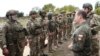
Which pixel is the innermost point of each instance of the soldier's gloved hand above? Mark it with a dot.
(5, 51)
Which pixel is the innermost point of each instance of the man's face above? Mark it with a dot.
(13, 17)
(86, 10)
(60, 16)
(33, 16)
(77, 18)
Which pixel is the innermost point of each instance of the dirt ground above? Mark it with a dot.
(61, 51)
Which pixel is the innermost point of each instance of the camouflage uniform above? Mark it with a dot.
(56, 33)
(95, 25)
(52, 31)
(2, 38)
(44, 23)
(14, 38)
(82, 40)
(34, 29)
(60, 28)
(94, 22)
(15, 35)
(69, 26)
(64, 26)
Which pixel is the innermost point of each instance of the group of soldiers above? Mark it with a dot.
(41, 26)
(81, 26)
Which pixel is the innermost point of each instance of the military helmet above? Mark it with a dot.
(11, 12)
(87, 5)
(50, 14)
(42, 12)
(32, 12)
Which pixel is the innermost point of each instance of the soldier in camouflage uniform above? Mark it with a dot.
(81, 37)
(52, 31)
(94, 21)
(64, 25)
(69, 24)
(60, 28)
(14, 34)
(44, 22)
(56, 33)
(34, 29)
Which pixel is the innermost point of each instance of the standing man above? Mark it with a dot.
(44, 22)
(81, 37)
(60, 28)
(34, 30)
(51, 30)
(14, 33)
(56, 33)
(69, 24)
(94, 21)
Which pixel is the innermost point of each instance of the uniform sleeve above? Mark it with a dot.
(96, 21)
(28, 28)
(4, 36)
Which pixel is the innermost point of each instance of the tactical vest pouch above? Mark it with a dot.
(9, 38)
(37, 31)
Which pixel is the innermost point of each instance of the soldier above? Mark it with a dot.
(52, 31)
(14, 34)
(34, 29)
(81, 38)
(94, 21)
(56, 33)
(64, 25)
(60, 28)
(69, 24)
(44, 22)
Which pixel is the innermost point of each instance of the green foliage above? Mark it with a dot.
(48, 7)
(57, 10)
(97, 11)
(69, 8)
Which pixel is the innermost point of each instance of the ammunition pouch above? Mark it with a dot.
(36, 31)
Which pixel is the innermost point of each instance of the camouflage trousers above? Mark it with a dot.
(35, 45)
(15, 50)
(42, 43)
(64, 34)
(55, 39)
(60, 35)
(95, 46)
(69, 32)
(50, 41)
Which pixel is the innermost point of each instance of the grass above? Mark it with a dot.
(23, 21)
